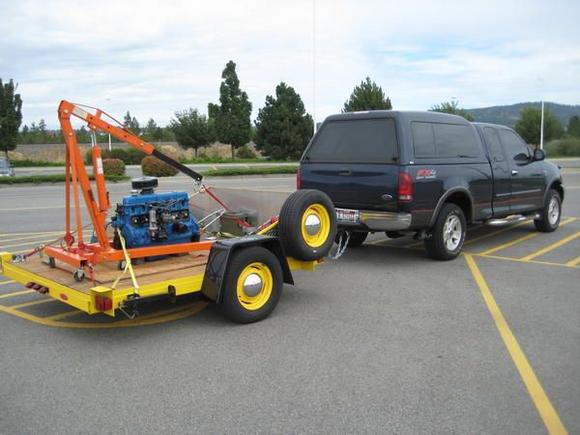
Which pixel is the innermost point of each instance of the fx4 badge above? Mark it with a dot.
(424, 174)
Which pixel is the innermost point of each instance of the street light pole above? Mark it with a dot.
(542, 128)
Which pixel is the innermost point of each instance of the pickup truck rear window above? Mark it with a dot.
(437, 140)
(355, 141)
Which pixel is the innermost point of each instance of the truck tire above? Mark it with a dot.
(448, 234)
(253, 285)
(307, 225)
(550, 215)
(356, 239)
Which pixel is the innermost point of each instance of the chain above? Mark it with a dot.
(342, 244)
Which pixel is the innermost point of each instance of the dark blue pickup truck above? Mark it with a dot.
(429, 174)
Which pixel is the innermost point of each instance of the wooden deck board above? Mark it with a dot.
(146, 272)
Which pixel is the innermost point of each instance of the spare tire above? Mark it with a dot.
(307, 225)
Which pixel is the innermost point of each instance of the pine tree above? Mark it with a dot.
(232, 115)
(367, 96)
(10, 116)
(453, 108)
(283, 127)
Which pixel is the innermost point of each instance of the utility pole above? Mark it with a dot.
(314, 63)
(542, 128)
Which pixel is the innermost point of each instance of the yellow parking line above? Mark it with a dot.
(495, 233)
(521, 239)
(7, 282)
(519, 260)
(29, 304)
(35, 236)
(513, 242)
(574, 263)
(63, 315)
(10, 295)
(551, 247)
(30, 242)
(28, 233)
(541, 400)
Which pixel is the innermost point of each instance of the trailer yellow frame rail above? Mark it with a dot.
(86, 300)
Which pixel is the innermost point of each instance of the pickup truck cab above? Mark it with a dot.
(429, 174)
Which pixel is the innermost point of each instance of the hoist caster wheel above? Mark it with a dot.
(79, 275)
(51, 262)
(121, 264)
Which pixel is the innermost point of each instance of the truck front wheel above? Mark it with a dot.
(550, 215)
(448, 234)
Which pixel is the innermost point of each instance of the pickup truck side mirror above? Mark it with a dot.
(522, 158)
(539, 155)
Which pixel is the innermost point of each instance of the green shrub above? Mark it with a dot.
(245, 152)
(113, 167)
(154, 167)
(129, 156)
(251, 171)
(568, 147)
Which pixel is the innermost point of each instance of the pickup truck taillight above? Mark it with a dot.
(298, 179)
(405, 187)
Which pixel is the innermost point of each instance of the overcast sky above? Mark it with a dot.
(156, 57)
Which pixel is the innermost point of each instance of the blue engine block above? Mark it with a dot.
(150, 219)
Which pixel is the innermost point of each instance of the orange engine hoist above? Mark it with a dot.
(85, 255)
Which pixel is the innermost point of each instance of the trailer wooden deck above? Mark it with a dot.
(146, 272)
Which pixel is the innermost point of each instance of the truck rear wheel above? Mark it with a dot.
(307, 225)
(448, 234)
(550, 215)
(253, 285)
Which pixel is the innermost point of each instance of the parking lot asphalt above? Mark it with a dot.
(381, 340)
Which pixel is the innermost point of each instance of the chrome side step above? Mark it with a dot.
(511, 219)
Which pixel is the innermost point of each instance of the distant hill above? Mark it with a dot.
(509, 115)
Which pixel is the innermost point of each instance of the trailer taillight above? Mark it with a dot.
(103, 303)
(298, 179)
(405, 187)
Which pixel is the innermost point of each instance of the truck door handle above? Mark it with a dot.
(514, 172)
(346, 173)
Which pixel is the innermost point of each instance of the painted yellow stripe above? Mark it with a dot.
(7, 282)
(28, 233)
(30, 242)
(509, 244)
(11, 295)
(551, 247)
(64, 315)
(545, 263)
(521, 239)
(495, 233)
(541, 400)
(30, 304)
(160, 317)
(29, 237)
(574, 263)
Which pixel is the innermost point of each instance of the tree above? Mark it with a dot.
(367, 96)
(152, 131)
(574, 126)
(283, 127)
(231, 116)
(528, 126)
(131, 123)
(191, 129)
(10, 115)
(453, 108)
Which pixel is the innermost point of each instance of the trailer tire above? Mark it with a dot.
(253, 285)
(307, 226)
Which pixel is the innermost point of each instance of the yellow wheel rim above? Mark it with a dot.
(315, 225)
(254, 287)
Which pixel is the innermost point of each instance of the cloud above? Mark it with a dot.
(156, 57)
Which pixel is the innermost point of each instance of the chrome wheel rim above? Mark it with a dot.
(452, 232)
(553, 211)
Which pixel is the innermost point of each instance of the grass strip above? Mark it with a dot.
(53, 178)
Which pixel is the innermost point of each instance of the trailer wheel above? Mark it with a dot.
(253, 285)
(307, 226)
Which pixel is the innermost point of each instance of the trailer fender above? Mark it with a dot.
(221, 253)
